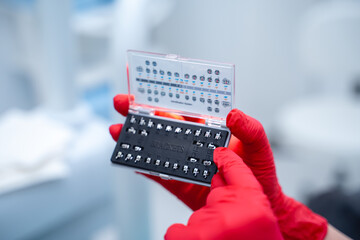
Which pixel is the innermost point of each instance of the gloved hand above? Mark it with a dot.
(296, 221)
(236, 207)
(194, 196)
(250, 142)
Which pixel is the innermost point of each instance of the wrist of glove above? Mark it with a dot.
(297, 221)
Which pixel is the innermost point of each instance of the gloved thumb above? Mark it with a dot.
(179, 232)
(233, 169)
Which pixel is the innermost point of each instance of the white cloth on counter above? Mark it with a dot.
(32, 149)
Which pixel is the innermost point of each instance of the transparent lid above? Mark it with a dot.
(189, 87)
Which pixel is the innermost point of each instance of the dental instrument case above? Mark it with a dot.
(168, 85)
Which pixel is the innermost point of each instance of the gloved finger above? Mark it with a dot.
(169, 115)
(247, 129)
(121, 103)
(115, 131)
(233, 169)
(217, 181)
(236, 146)
(253, 144)
(179, 232)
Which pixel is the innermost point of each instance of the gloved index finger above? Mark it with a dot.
(247, 129)
(233, 169)
(122, 103)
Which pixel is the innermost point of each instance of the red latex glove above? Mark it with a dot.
(236, 207)
(250, 142)
(296, 221)
(194, 196)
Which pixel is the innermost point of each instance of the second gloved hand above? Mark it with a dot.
(296, 221)
(236, 207)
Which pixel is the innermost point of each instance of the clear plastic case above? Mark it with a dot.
(172, 148)
(189, 87)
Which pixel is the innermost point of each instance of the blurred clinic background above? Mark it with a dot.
(61, 62)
